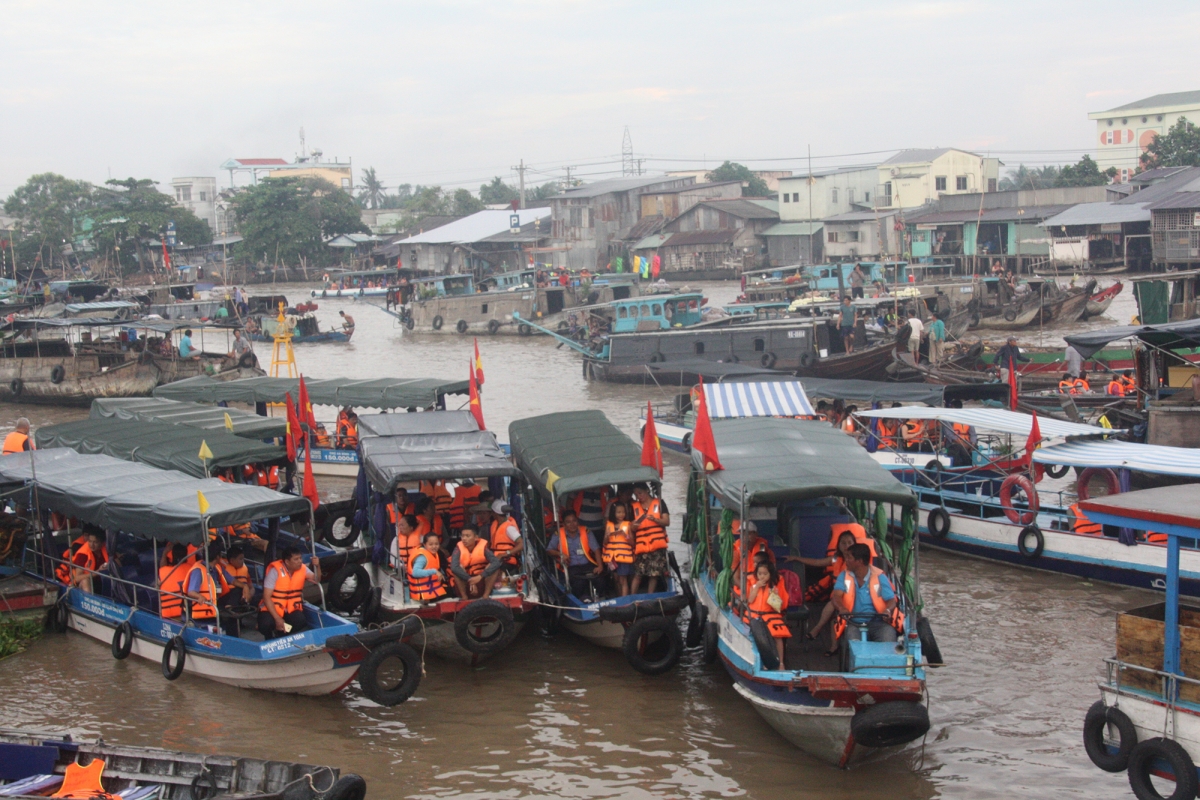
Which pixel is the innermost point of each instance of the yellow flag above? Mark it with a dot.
(551, 479)
(203, 501)
(205, 453)
(228, 423)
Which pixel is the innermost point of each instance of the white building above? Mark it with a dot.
(915, 177)
(1124, 132)
(833, 192)
(198, 195)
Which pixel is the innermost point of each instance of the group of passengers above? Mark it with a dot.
(907, 435)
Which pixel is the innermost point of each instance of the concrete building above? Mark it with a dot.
(479, 242)
(804, 201)
(198, 195)
(339, 173)
(1124, 132)
(862, 235)
(914, 177)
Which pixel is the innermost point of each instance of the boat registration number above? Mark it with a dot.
(797, 334)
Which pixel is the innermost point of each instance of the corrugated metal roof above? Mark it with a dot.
(614, 185)
(1160, 100)
(1099, 214)
(1186, 180)
(692, 187)
(1158, 173)
(701, 237)
(742, 207)
(861, 216)
(476, 227)
(1032, 213)
(646, 226)
(653, 241)
(769, 203)
(921, 156)
(1178, 200)
(793, 229)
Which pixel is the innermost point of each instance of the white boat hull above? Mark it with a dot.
(600, 632)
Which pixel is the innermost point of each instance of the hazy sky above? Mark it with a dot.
(457, 92)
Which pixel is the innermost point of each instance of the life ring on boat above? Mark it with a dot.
(711, 640)
(175, 645)
(1083, 488)
(806, 360)
(657, 358)
(889, 724)
(652, 655)
(347, 534)
(390, 692)
(348, 598)
(1010, 315)
(767, 360)
(1142, 765)
(437, 322)
(57, 373)
(939, 522)
(1039, 541)
(765, 642)
(461, 326)
(484, 627)
(524, 330)
(1022, 482)
(696, 626)
(347, 787)
(122, 641)
(16, 386)
(1099, 716)
(493, 326)
(1056, 470)
(929, 645)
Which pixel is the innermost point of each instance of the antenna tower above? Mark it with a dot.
(628, 166)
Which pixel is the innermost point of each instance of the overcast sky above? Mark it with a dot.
(456, 92)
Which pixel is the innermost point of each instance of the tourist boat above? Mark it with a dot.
(139, 506)
(992, 509)
(1099, 302)
(838, 708)
(355, 292)
(643, 626)
(34, 764)
(306, 330)
(448, 446)
(333, 283)
(1147, 720)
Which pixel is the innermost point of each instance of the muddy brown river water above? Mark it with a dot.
(561, 718)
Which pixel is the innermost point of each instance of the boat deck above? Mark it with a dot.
(809, 655)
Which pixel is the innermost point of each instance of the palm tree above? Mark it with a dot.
(373, 190)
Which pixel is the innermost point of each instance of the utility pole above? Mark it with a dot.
(810, 207)
(521, 177)
(568, 183)
(627, 164)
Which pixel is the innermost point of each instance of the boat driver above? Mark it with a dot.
(281, 611)
(865, 596)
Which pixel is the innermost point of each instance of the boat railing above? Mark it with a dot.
(1169, 683)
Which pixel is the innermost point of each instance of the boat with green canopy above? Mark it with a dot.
(192, 415)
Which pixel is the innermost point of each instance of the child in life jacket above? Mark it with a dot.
(618, 549)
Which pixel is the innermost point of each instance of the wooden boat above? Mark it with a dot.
(1071, 306)
(1099, 302)
(1014, 316)
(305, 331)
(33, 764)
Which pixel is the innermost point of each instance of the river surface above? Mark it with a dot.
(562, 718)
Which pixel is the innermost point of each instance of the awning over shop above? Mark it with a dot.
(1157, 459)
(1169, 336)
(377, 393)
(992, 419)
(192, 415)
(391, 460)
(757, 399)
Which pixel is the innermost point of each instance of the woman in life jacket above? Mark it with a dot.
(766, 600)
(425, 581)
(617, 552)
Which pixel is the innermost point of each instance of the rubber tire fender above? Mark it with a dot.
(1112, 482)
(929, 645)
(889, 724)
(409, 323)
(362, 588)
(1141, 760)
(767, 360)
(657, 358)
(347, 787)
(485, 608)
(1057, 470)
(174, 645)
(976, 318)
(329, 536)
(711, 638)
(57, 373)
(368, 674)
(1006, 490)
(806, 360)
(493, 326)
(939, 522)
(670, 635)
(58, 617)
(16, 386)
(1099, 716)
(696, 626)
(1038, 538)
(437, 322)
(524, 330)
(1010, 315)
(247, 361)
(461, 326)
(765, 643)
(122, 641)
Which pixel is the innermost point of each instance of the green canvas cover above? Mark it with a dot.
(158, 444)
(423, 422)
(391, 460)
(139, 499)
(582, 448)
(377, 393)
(1152, 299)
(192, 415)
(779, 460)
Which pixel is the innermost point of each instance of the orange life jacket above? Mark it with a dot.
(1084, 525)
(913, 431)
(437, 491)
(759, 546)
(618, 543)
(170, 587)
(224, 587)
(887, 432)
(1115, 388)
(347, 434)
(424, 526)
(464, 497)
(429, 587)
(394, 518)
(288, 594)
(15, 443)
(847, 584)
(500, 541)
(63, 571)
(848, 425)
(406, 545)
(650, 535)
(962, 431)
(473, 562)
(94, 560)
(202, 609)
(83, 782)
(565, 554)
(1154, 537)
(759, 608)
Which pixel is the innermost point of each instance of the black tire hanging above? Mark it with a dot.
(1057, 470)
(350, 532)
(806, 360)
(472, 641)
(16, 386)
(767, 360)
(437, 322)
(657, 358)
(1010, 315)
(939, 522)
(349, 601)
(409, 323)
(696, 626)
(461, 326)
(889, 724)
(765, 643)
(175, 645)
(976, 318)
(369, 678)
(247, 361)
(1098, 718)
(347, 787)
(493, 326)
(524, 329)
(122, 641)
(711, 640)
(653, 658)
(929, 645)
(1039, 541)
(57, 373)
(1141, 762)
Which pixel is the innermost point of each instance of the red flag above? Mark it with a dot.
(1012, 384)
(305, 411)
(310, 485)
(702, 438)
(476, 408)
(651, 447)
(293, 427)
(478, 367)
(1031, 444)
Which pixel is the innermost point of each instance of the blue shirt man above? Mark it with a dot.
(185, 345)
(857, 578)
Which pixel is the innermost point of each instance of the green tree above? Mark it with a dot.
(373, 191)
(1180, 147)
(544, 190)
(49, 210)
(752, 185)
(497, 192)
(133, 212)
(289, 219)
(1085, 173)
(1025, 178)
(465, 203)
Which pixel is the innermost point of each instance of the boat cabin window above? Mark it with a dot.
(682, 306)
(483, 308)
(645, 310)
(699, 348)
(622, 312)
(657, 310)
(693, 305)
(760, 345)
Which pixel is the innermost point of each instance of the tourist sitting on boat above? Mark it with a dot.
(1074, 385)
(19, 440)
(200, 589)
(1008, 356)
(425, 581)
(504, 534)
(1122, 384)
(91, 556)
(849, 425)
(745, 564)
(438, 493)
(186, 350)
(766, 599)
(406, 541)
(234, 587)
(865, 599)
(576, 550)
(347, 429)
(837, 413)
(881, 289)
(650, 521)
(619, 541)
(960, 439)
(281, 611)
(474, 566)
(173, 568)
(429, 521)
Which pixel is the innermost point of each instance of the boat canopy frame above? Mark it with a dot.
(391, 460)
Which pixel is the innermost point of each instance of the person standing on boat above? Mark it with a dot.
(857, 279)
(864, 595)
(1007, 358)
(650, 521)
(846, 320)
(575, 549)
(1074, 361)
(937, 339)
(619, 541)
(916, 332)
(281, 611)
(18, 441)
